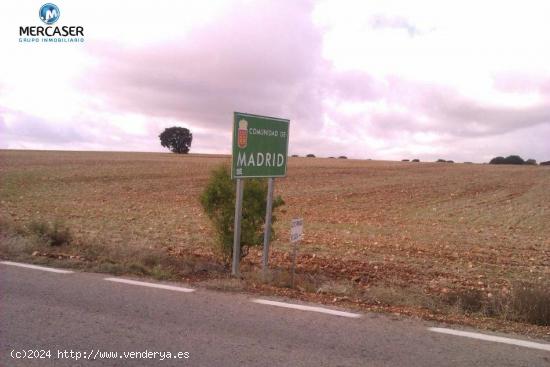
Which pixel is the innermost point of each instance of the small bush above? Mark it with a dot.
(531, 162)
(337, 288)
(450, 161)
(441, 161)
(342, 157)
(295, 155)
(531, 303)
(218, 201)
(330, 157)
(56, 234)
(404, 160)
(526, 303)
(547, 163)
(469, 300)
(310, 155)
(416, 160)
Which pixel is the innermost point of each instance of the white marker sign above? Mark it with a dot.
(296, 228)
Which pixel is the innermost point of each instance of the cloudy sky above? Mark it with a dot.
(462, 80)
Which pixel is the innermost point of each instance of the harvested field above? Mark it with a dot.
(438, 229)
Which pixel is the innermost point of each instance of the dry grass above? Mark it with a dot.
(427, 227)
(530, 303)
(54, 234)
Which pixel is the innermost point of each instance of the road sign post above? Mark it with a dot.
(237, 229)
(296, 229)
(260, 149)
(267, 229)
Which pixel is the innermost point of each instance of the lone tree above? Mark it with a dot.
(177, 139)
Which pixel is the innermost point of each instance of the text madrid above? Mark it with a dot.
(261, 159)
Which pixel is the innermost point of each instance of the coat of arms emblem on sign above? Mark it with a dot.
(242, 137)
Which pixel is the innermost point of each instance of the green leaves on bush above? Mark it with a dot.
(218, 201)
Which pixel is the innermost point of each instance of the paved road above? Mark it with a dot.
(83, 312)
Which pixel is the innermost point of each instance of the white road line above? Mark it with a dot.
(306, 308)
(152, 285)
(36, 267)
(492, 338)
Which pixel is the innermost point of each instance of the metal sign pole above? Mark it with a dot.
(296, 228)
(237, 228)
(294, 253)
(267, 226)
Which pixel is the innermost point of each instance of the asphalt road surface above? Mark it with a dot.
(77, 318)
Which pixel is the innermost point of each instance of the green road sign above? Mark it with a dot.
(260, 146)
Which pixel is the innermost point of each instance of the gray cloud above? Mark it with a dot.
(463, 116)
(381, 21)
(518, 82)
(25, 131)
(30, 128)
(261, 59)
(439, 108)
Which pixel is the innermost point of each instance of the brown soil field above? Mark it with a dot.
(406, 232)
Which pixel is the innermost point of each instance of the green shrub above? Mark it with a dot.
(56, 234)
(310, 155)
(218, 201)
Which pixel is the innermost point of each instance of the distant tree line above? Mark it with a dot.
(311, 155)
(512, 159)
(515, 159)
